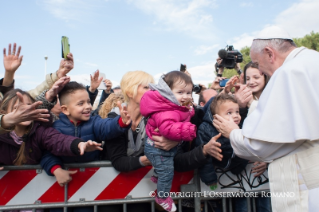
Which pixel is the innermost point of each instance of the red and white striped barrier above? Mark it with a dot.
(105, 183)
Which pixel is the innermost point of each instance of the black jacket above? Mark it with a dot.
(115, 150)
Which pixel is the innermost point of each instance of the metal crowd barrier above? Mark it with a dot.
(194, 187)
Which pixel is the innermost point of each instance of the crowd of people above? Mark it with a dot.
(140, 123)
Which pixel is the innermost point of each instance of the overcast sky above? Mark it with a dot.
(155, 36)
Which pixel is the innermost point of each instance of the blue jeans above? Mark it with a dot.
(263, 204)
(163, 163)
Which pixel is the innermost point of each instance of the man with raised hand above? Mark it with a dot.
(283, 129)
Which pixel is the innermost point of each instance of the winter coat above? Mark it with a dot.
(164, 114)
(40, 139)
(230, 161)
(95, 129)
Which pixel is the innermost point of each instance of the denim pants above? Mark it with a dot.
(163, 163)
(263, 204)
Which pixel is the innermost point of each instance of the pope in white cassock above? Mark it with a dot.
(284, 128)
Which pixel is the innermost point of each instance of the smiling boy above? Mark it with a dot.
(76, 120)
(226, 106)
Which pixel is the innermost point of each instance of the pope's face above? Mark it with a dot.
(263, 63)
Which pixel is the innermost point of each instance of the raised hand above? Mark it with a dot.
(89, 146)
(95, 81)
(231, 83)
(212, 148)
(63, 176)
(243, 95)
(56, 88)
(108, 85)
(215, 84)
(13, 60)
(126, 118)
(66, 65)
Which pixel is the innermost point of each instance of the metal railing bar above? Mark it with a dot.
(153, 206)
(124, 207)
(81, 204)
(254, 204)
(230, 204)
(205, 206)
(224, 203)
(69, 165)
(248, 204)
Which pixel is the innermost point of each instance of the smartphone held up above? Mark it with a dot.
(65, 46)
(223, 82)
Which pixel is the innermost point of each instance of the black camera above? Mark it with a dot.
(197, 88)
(230, 57)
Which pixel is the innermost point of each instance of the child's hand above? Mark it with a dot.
(89, 146)
(56, 88)
(63, 176)
(126, 118)
(95, 81)
(212, 148)
(1, 168)
(259, 168)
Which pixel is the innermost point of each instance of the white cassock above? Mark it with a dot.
(284, 131)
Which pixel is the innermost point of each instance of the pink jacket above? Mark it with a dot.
(171, 120)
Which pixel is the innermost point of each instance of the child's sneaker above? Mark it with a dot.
(166, 203)
(154, 179)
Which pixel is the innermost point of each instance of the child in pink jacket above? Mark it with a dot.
(168, 117)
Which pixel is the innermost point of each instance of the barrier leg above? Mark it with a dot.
(254, 204)
(153, 206)
(197, 188)
(248, 204)
(95, 208)
(230, 205)
(179, 205)
(206, 207)
(65, 209)
(224, 202)
(124, 207)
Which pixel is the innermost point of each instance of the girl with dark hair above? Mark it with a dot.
(256, 81)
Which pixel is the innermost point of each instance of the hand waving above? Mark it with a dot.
(126, 118)
(13, 60)
(108, 85)
(95, 81)
(231, 83)
(56, 88)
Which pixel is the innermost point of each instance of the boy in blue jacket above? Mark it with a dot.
(76, 120)
(224, 105)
